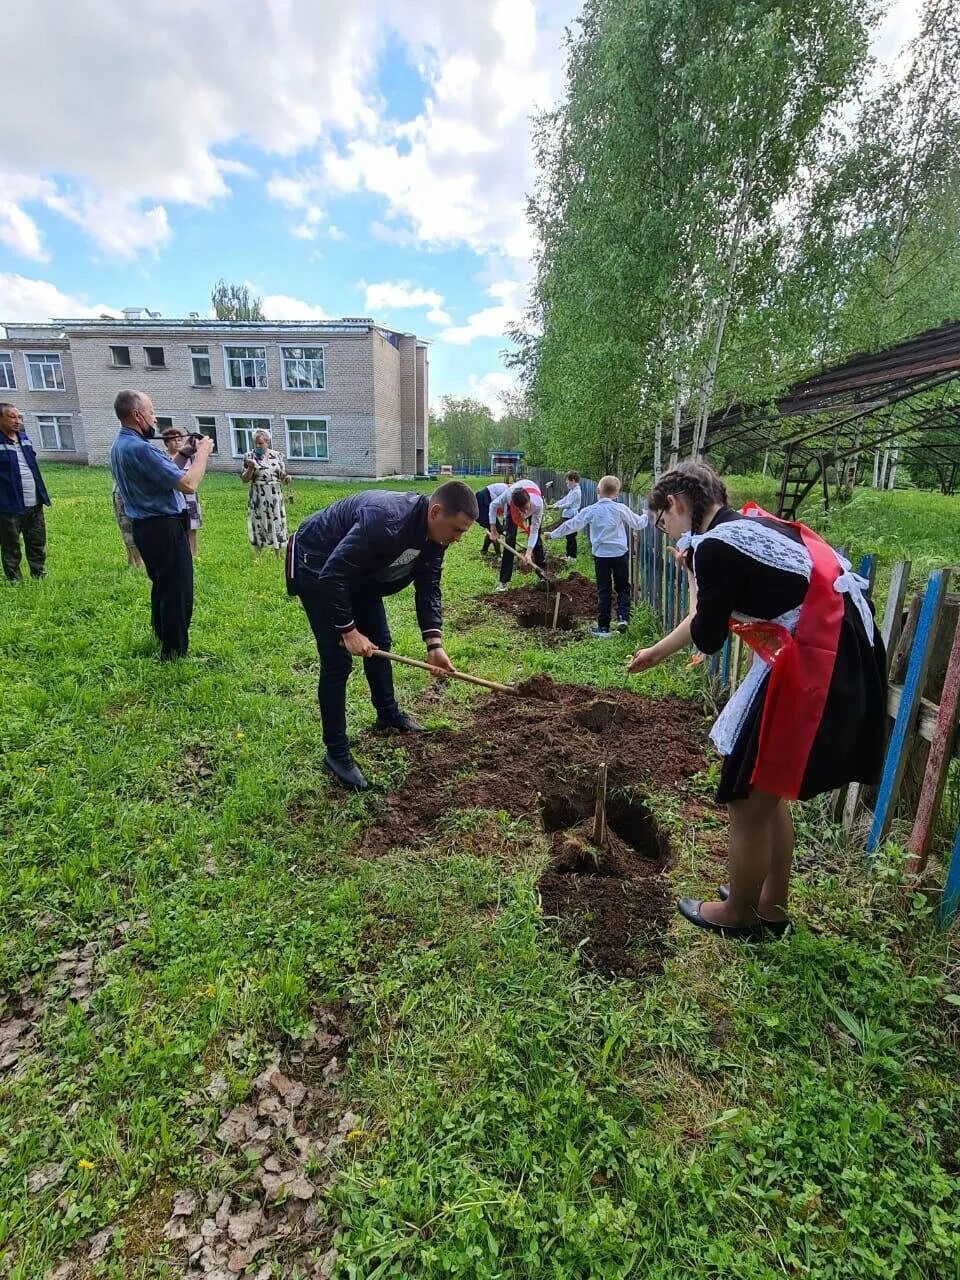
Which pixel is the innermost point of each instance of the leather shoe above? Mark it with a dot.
(400, 723)
(689, 908)
(344, 769)
(776, 928)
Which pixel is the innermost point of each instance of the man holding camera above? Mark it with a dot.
(152, 486)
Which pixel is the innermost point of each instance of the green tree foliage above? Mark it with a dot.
(466, 429)
(235, 302)
(660, 206)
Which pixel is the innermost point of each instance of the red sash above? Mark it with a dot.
(801, 667)
(515, 513)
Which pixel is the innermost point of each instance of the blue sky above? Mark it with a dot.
(364, 159)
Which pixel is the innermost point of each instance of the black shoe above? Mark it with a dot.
(344, 770)
(400, 723)
(775, 927)
(689, 908)
(41, 574)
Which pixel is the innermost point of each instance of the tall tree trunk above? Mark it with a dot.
(894, 459)
(876, 468)
(678, 382)
(730, 268)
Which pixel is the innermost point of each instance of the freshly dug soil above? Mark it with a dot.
(533, 606)
(538, 756)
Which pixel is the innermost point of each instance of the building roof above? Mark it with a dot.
(119, 323)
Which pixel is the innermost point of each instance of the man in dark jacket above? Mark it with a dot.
(22, 499)
(341, 562)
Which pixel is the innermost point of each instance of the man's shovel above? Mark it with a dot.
(541, 574)
(445, 675)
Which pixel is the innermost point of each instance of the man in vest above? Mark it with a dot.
(22, 499)
(342, 562)
(522, 508)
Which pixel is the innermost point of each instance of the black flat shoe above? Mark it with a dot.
(400, 723)
(776, 928)
(689, 908)
(344, 769)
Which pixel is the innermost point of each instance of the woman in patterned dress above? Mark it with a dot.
(134, 559)
(264, 471)
(809, 717)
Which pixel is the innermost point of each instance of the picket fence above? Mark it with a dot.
(922, 639)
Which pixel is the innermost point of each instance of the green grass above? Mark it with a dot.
(790, 1111)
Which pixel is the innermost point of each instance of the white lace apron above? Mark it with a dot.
(770, 547)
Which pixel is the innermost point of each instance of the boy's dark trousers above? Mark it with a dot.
(612, 571)
(571, 546)
(506, 561)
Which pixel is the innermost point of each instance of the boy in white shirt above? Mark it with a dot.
(608, 522)
(568, 506)
(521, 509)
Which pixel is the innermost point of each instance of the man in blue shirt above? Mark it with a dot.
(151, 486)
(22, 499)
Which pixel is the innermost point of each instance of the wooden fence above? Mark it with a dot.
(922, 639)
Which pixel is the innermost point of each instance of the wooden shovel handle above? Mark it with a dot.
(448, 675)
(519, 554)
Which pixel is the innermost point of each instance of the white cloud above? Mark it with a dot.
(23, 299)
(400, 293)
(489, 388)
(280, 306)
(117, 226)
(335, 233)
(390, 295)
(19, 232)
(490, 322)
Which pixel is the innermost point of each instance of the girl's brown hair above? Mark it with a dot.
(695, 481)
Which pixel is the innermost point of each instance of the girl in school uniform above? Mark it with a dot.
(809, 717)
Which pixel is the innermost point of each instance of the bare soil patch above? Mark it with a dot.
(532, 607)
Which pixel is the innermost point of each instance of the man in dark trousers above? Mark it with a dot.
(152, 485)
(342, 562)
(22, 499)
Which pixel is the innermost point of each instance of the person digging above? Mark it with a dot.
(342, 562)
(522, 509)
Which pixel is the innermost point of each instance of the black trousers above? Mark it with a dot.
(506, 560)
(163, 543)
(572, 546)
(612, 571)
(336, 663)
(32, 527)
(483, 519)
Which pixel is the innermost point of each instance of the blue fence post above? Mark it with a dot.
(725, 664)
(895, 762)
(951, 890)
(868, 570)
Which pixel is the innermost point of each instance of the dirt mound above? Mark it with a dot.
(539, 687)
(539, 757)
(533, 606)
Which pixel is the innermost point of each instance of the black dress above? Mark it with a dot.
(751, 567)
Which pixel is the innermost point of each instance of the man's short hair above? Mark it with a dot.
(520, 497)
(609, 486)
(456, 498)
(4, 405)
(574, 476)
(126, 403)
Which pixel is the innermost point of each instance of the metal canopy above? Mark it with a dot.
(830, 419)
